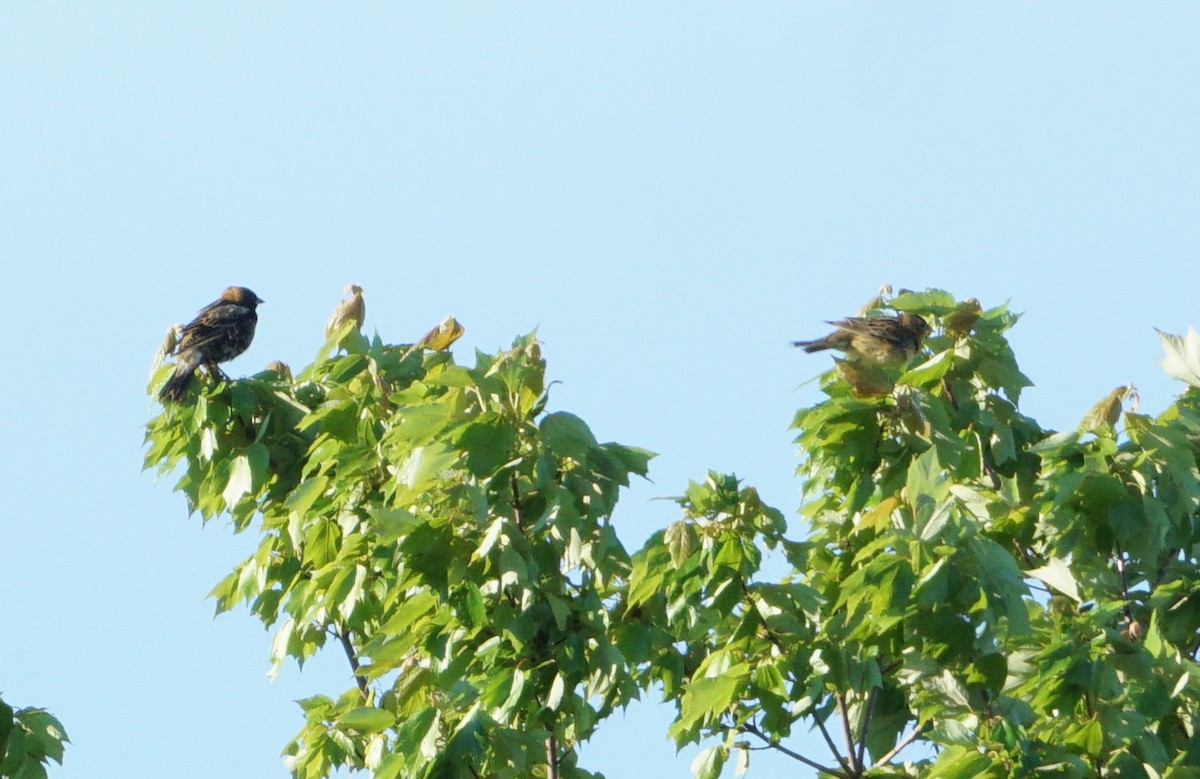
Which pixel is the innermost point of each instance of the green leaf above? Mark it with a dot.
(925, 477)
(566, 435)
(241, 480)
(929, 371)
(681, 541)
(6, 726)
(635, 460)
(425, 463)
(708, 763)
(406, 614)
(303, 497)
(1106, 413)
(554, 697)
(1057, 574)
(367, 719)
(957, 762)
(708, 696)
(1089, 737)
(488, 442)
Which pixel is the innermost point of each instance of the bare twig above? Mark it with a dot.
(516, 502)
(866, 724)
(844, 715)
(754, 731)
(771, 636)
(551, 756)
(911, 737)
(352, 656)
(832, 746)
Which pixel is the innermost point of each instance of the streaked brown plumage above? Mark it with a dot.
(352, 309)
(440, 338)
(883, 340)
(221, 331)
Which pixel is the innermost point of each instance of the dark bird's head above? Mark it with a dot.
(911, 322)
(241, 296)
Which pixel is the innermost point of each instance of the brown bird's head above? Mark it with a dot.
(914, 324)
(241, 296)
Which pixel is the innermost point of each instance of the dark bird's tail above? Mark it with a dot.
(818, 345)
(176, 386)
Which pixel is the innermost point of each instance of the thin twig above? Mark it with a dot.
(832, 746)
(771, 636)
(516, 502)
(361, 680)
(911, 737)
(1120, 564)
(551, 756)
(752, 730)
(872, 697)
(844, 715)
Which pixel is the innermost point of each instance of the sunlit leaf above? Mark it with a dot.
(1181, 356)
(1057, 574)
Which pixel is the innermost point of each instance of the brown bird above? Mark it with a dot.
(221, 331)
(883, 340)
(352, 309)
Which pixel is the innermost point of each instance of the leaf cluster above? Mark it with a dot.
(1021, 601)
(436, 525)
(29, 739)
(968, 593)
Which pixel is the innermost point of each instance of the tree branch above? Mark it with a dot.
(911, 737)
(844, 715)
(866, 723)
(551, 756)
(832, 746)
(352, 656)
(774, 639)
(752, 730)
(516, 501)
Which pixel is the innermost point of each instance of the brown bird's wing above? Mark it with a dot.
(213, 321)
(888, 330)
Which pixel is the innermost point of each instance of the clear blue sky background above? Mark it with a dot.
(669, 192)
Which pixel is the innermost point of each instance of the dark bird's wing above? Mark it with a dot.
(214, 322)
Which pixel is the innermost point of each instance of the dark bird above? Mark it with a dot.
(221, 331)
(884, 340)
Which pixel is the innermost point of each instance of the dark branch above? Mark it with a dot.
(551, 756)
(772, 744)
(352, 656)
(864, 729)
(911, 737)
(832, 746)
(844, 715)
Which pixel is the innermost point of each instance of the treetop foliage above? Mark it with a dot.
(29, 739)
(1019, 601)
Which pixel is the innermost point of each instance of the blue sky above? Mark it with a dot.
(669, 192)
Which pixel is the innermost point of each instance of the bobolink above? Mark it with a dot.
(221, 331)
(883, 340)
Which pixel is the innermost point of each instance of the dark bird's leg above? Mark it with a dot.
(215, 370)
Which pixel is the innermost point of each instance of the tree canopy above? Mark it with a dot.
(1017, 600)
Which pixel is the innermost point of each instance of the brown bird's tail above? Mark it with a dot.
(176, 386)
